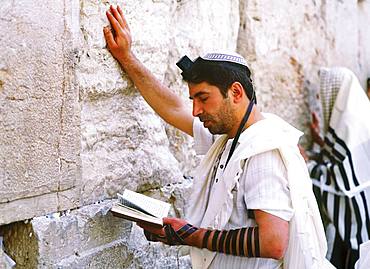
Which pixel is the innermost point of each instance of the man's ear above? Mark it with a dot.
(237, 92)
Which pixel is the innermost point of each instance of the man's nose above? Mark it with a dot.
(197, 109)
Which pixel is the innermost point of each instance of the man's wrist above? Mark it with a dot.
(196, 239)
(127, 59)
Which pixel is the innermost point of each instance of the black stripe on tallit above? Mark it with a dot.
(331, 171)
(356, 211)
(356, 208)
(336, 205)
(347, 221)
(341, 142)
(336, 198)
(333, 151)
(365, 203)
(325, 200)
(336, 210)
(358, 220)
(316, 172)
(344, 176)
(333, 156)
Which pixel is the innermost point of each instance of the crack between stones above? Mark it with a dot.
(61, 119)
(33, 196)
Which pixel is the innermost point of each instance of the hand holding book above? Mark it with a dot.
(138, 207)
(175, 232)
(150, 214)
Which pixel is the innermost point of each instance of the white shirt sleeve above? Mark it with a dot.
(266, 186)
(203, 139)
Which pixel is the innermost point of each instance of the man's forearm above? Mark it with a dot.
(245, 242)
(267, 239)
(239, 242)
(168, 105)
(165, 103)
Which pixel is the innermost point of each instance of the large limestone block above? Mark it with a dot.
(45, 241)
(364, 41)
(286, 42)
(39, 116)
(90, 237)
(347, 25)
(124, 144)
(285, 53)
(133, 253)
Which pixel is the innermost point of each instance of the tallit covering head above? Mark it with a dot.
(330, 82)
(343, 174)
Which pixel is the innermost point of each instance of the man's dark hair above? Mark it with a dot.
(220, 74)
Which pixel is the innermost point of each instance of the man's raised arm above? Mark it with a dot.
(168, 105)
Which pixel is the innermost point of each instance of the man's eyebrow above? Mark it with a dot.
(197, 95)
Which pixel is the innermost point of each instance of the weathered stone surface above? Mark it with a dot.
(347, 26)
(286, 43)
(39, 120)
(89, 237)
(39, 205)
(124, 143)
(283, 54)
(45, 241)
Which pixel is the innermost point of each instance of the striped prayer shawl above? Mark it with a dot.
(341, 177)
(334, 176)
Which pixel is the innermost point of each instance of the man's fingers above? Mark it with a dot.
(315, 118)
(117, 16)
(123, 18)
(109, 37)
(167, 220)
(150, 228)
(115, 24)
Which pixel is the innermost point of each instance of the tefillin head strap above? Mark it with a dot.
(240, 129)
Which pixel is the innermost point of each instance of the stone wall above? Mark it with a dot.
(74, 131)
(286, 42)
(39, 109)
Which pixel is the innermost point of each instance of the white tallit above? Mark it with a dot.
(364, 260)
(307, 244)
(343, 174)
(349, 119)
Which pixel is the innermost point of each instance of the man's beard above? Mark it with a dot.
(222, 121)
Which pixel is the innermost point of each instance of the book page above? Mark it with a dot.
(152, 206)
(133, 215)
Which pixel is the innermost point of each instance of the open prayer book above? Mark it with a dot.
(138, 207)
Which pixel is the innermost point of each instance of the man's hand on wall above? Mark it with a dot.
(315, 130)
(118, 37)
